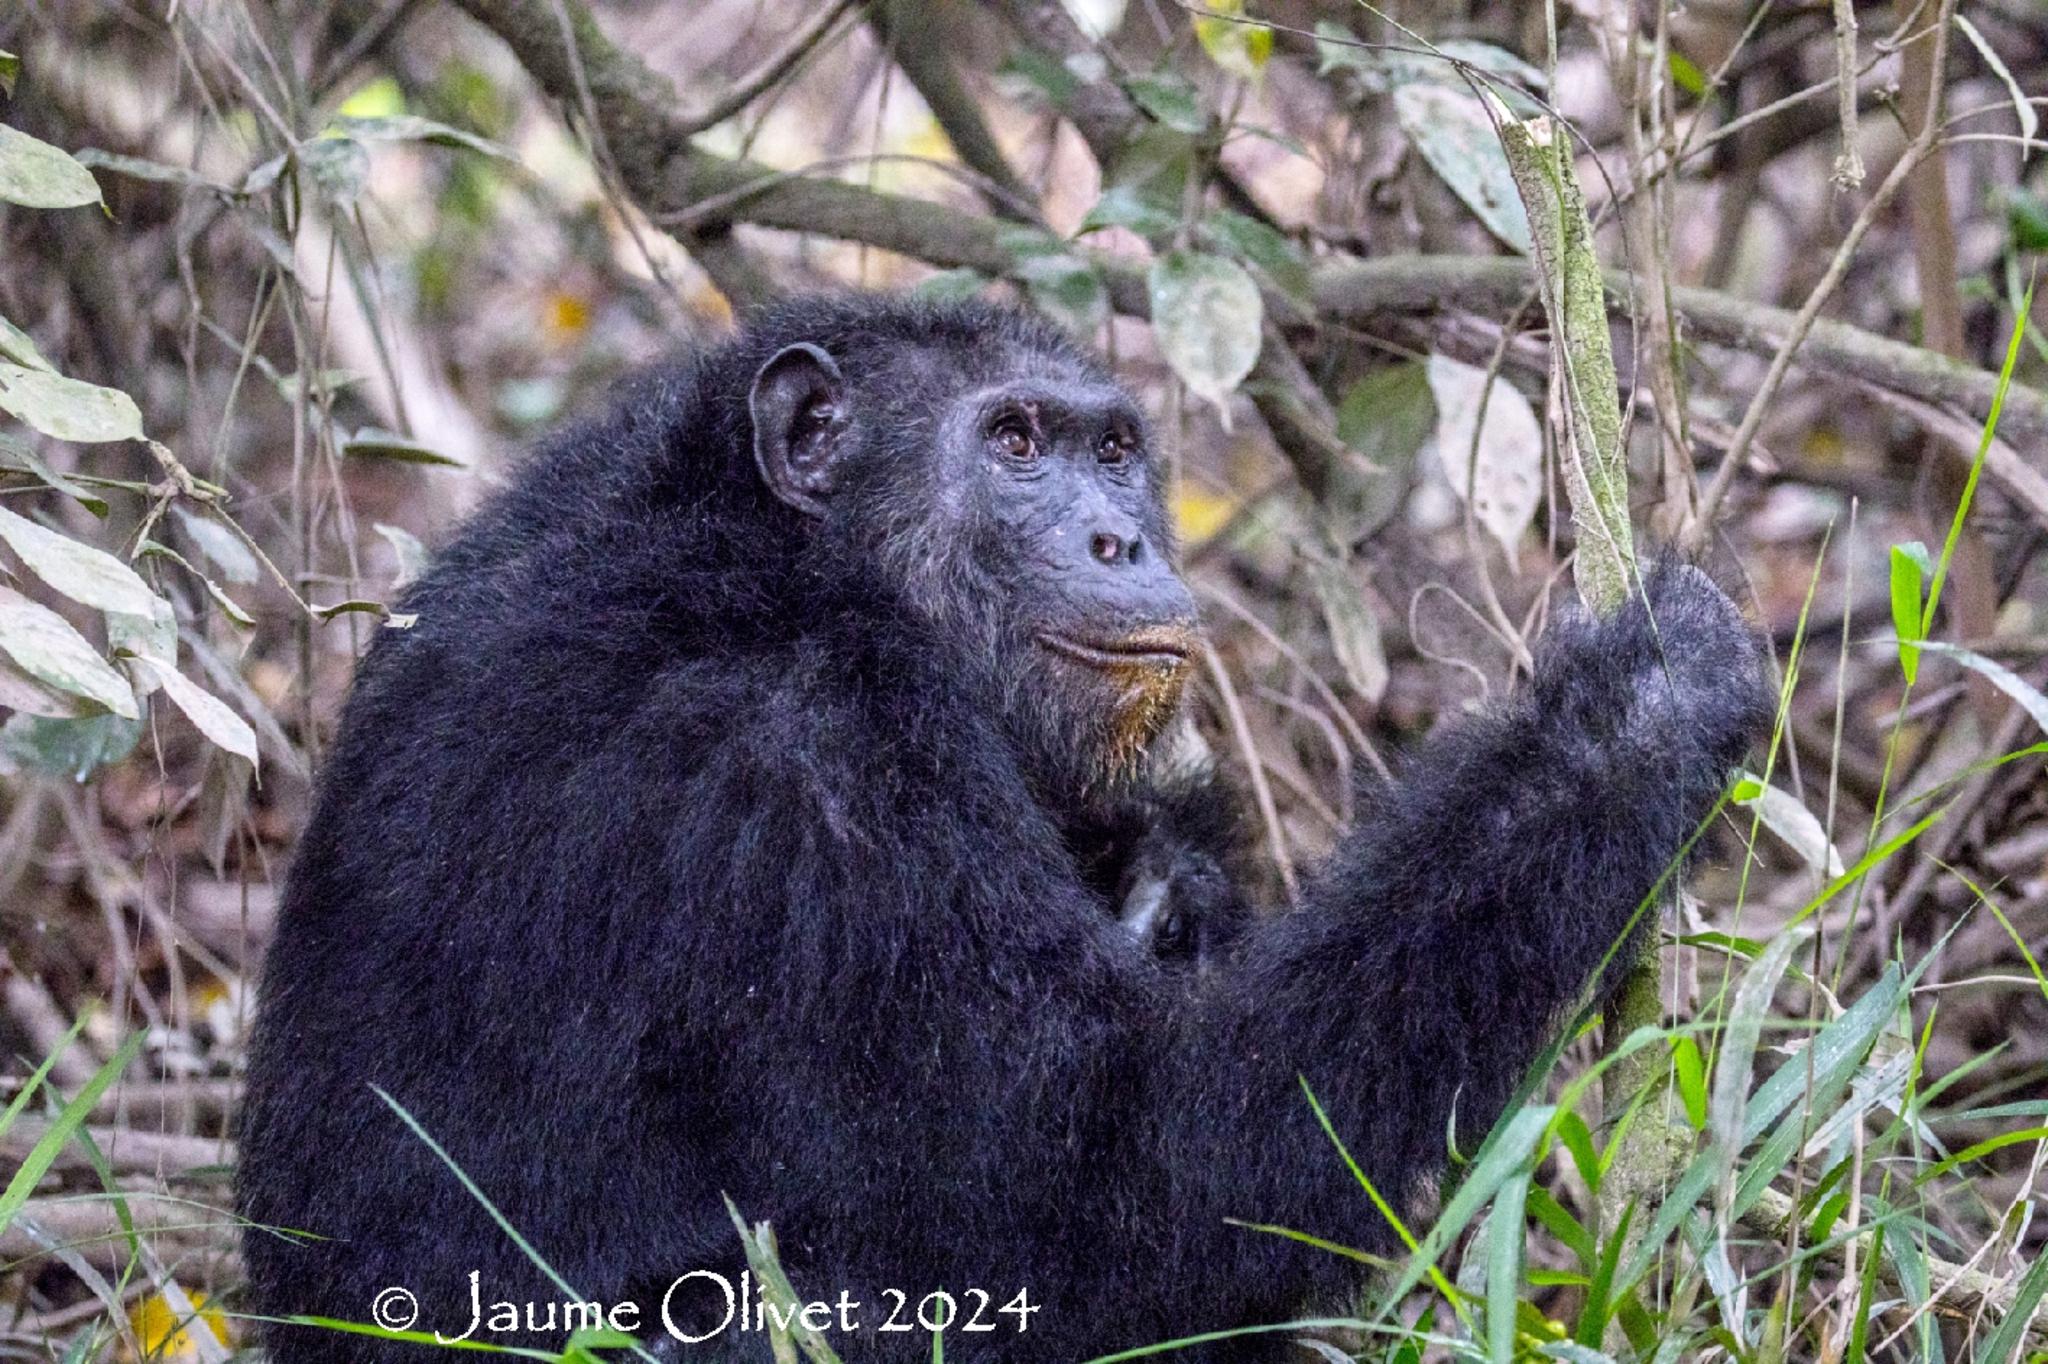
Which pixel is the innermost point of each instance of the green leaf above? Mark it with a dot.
(1984, 439)
(22, 693)
(1172, 99)
(75, 747)
(1354, 630)
(1692, 1081)
(1233, 42)
(156, 172)
(221, 546)
(1386, 419)
(951, 284)
(1559, 1223)
(155, 634)
(412, 128)
(1504, 1266)
(2005, 679)
(1578, 1142)
(373, 442)
(18, 346)
(69, 409)
(1067, 289)
(1792, 822)
(1910, 570)
(207, 712)
(2026, 217)
(1515, 1147)
(17, 455)
(1734, 1065)
(45, 646)
(1126, 207)
(1154, 162)
(2004, 1341)
(26, 1089)
(1206, 314)
(36, 175)
(1040, 71)
(10, 72)
(151, 549)
(377, 97)
(1829, 1062)
(1452, 131)
(1687, 76)
(1379, 69)
(1257, 244)
(86, 575)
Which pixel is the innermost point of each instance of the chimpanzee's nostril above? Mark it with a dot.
(1106, 548)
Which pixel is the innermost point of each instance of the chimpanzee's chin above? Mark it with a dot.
(1085, 736)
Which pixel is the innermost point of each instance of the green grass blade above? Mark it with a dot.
(1504, 1266)
(44, 1153)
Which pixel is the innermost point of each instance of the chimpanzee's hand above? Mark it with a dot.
(1176, 897)
(1682, 677)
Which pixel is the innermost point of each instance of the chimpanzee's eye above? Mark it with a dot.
(1010, 436)
(1114, 448)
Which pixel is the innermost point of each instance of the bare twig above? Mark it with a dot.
(1255, 771)
(772, 68)
(1848, 161)
(930, 68)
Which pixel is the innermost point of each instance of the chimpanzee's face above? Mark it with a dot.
(1019, 504)
(1070, 530)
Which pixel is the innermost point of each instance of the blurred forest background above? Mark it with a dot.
(287, 286)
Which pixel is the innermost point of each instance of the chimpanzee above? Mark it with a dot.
(754, 812)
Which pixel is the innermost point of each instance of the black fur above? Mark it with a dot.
(684, 849)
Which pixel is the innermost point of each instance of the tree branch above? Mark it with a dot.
(930, 68)
(1357, 291)
(666, 174)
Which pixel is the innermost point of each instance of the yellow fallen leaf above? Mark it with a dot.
(165, 1333)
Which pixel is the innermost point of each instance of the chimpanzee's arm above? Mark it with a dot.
(966, 1052)
(1477, 895)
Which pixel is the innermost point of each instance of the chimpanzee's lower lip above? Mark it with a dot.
(1167, 648)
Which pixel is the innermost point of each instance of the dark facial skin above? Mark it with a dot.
(1037, 491)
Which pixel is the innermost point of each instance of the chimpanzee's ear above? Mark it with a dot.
(798, 403)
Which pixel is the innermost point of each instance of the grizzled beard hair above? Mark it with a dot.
(945, 561)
